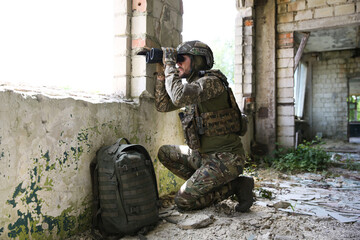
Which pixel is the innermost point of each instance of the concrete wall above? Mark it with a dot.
(47, 141)
(265, 63)
(46, 145)
(330, 91)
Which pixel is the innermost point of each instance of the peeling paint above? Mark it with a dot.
(47, 191)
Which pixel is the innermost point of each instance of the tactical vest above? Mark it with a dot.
(216, 123)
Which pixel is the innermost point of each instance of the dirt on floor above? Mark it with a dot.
(302, 206)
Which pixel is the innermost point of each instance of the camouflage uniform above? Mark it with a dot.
(208, 172)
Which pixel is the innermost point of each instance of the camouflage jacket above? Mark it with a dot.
(172, 93)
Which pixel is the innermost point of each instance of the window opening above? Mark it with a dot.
(213, 22)
(59, 44)
(300, 88)
(354, 108)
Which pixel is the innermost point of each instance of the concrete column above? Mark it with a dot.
(265, 68)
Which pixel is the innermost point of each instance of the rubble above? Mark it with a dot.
(302, 206)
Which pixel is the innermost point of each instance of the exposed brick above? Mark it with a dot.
(344, 9)
(249, 30)
(285, 53)
(139, 5)
(285, 35)
(285, 42)
(286, 121)
(285, 92)
(249, 23)
(136, 43)
(316, 3)
(282, 8)
(248, 68)
(140, 69)
(238, 58)
(285, 18)
(248, 88)
(296, 6)
(285, 62)
(246, 12)
(285, 110)
(303, 15)
(286, 131)
(282, 1)
(238, 69)
(284, 72)
(248, 78)
(249, 40)
(323, 12)
(336, 1)
(139, 25)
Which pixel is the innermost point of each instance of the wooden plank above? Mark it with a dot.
(301, 48)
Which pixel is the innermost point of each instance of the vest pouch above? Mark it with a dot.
(190, 131)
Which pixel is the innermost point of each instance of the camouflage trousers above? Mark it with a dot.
(208, 176)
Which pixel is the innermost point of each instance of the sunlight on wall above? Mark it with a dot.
(57, 43)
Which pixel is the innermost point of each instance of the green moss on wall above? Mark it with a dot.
(167, 181)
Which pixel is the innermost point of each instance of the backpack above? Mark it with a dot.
(125, 195)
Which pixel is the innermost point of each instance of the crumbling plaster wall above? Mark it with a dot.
(46, 145)
(331, 72)
(47, 142)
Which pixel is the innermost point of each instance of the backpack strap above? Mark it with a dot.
(114, 148)
(95, 191)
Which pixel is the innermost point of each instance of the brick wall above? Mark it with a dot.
(294, 11)
(142, 23)
(301, 15)
(285, 88)
(330, 91)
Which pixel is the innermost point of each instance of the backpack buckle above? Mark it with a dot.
(134, 209)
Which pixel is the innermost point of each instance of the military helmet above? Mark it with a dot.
(197, 48)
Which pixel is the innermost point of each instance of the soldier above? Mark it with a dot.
(215, 159)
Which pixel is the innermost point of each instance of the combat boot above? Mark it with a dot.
(243, 187)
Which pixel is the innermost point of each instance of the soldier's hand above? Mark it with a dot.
(169, 55)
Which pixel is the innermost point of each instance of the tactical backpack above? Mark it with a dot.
(125, 196)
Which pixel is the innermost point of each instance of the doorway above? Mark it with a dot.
(354, 110)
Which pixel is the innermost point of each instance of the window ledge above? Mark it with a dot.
(55, 93)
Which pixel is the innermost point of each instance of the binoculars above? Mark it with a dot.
(155, 55)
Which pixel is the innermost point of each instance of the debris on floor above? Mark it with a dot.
(301, 206)
(313, 194)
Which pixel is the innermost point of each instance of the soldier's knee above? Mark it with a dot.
(163, 153)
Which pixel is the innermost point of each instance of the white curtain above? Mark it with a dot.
(299, 89)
